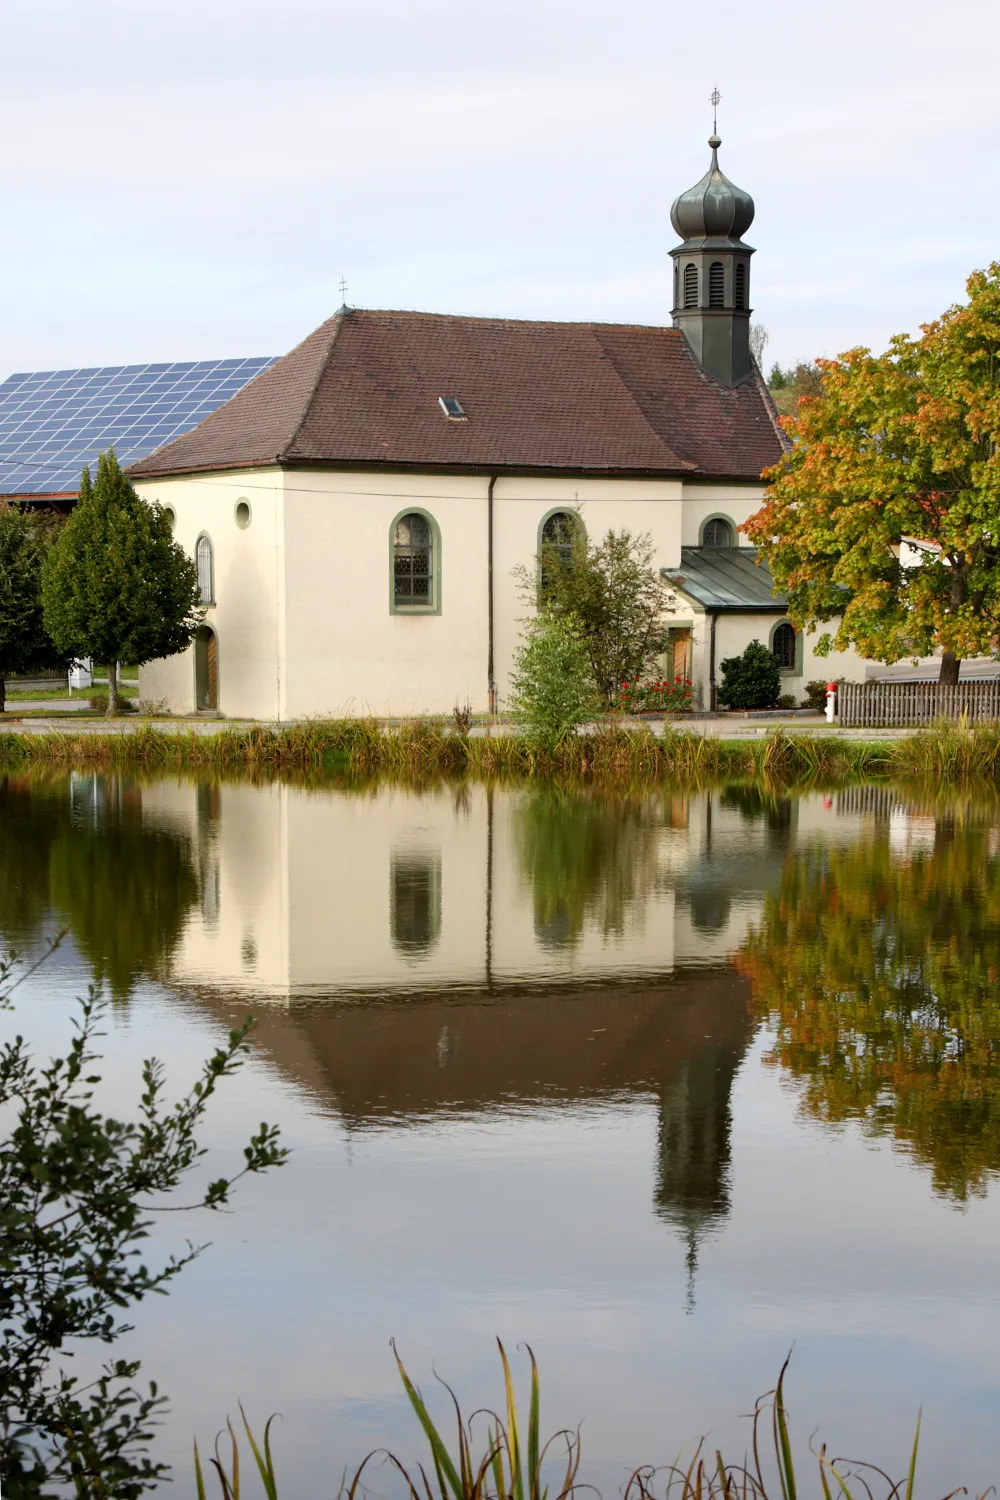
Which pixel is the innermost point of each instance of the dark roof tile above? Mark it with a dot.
(364, 388)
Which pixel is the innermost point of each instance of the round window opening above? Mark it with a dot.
(171, 516)
(242, 514)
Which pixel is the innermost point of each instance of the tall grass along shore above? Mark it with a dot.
(497, 1455)
(424, 747)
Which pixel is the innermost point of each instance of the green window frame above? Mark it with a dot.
(563, 536)
(414, 563)
(779, 649)
(704, 532)
(204, 557)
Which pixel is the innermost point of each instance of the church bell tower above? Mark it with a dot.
(712, 271)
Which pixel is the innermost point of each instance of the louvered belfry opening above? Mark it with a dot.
(690, 284)
(713, 309)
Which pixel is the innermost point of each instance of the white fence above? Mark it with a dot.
(894, 705)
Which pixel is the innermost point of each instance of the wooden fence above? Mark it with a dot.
(892, 705)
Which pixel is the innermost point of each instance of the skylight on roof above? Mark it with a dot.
(452, 407)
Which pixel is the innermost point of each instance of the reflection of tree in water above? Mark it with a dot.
(585, 858)
(758, 805)
(123, 887)
(31, 816)
(881, 975)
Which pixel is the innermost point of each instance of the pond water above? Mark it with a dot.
(661, 1084)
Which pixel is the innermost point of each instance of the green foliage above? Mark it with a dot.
(552, 691)
(98, 703)
(752, 680)
(790, 386)
(123, 885)
(616, 597)
(585, 857)
(116, 586)
(815, 695)
(899, 448)
(879, 976)
(25, 645)
(75, 1203)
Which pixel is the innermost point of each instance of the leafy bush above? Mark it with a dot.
(752, 680)
(655, 697)
(77, 1189)
(787, 700)
(99, 703)
(552, 689)
(616, 596)
(815, 695)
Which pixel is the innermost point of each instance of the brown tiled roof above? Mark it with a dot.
(598, 397)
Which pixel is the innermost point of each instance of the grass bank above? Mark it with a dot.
(423, 748)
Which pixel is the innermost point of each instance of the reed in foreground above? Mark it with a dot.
(501, 1458)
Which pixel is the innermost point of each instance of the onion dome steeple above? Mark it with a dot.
(714, 208)
(712, 270)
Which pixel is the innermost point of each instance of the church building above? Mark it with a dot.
(357, 512)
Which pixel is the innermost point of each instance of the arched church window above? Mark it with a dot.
(206, 570)
(716, 284)
(560, 534)
(413, 561)
(740, 297)
(717, 533)
(783, 646)
(690, 284)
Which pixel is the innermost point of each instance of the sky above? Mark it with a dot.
(191, 179)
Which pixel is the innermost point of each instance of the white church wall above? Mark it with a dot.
(303, 608)
(348, 652)
(248, 613)
(737, 502)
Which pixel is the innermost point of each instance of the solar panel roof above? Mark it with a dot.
(52, 422)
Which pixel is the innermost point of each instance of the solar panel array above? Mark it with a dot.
(52, 422)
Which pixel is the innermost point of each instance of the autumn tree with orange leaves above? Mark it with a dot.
(878, 972)
(900, 451)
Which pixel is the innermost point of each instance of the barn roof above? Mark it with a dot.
(53, 422)
(366, 389)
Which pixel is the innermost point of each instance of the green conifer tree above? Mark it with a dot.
(116, 586)
(25, 645)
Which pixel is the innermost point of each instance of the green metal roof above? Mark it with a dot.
(726, 578)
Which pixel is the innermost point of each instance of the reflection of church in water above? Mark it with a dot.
(469, 951)
(498, 949)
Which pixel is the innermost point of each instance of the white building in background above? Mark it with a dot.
(358, 510)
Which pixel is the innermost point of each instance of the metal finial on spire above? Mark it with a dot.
(714, 99)
(343, 291)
